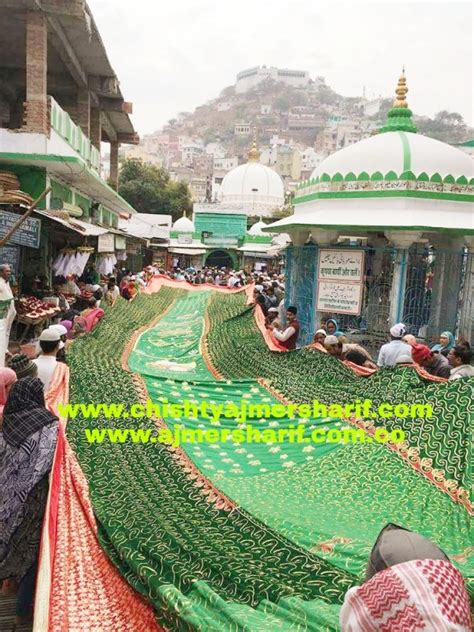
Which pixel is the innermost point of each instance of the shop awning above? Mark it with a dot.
(83, 228)
(186, 251)
(76, 173)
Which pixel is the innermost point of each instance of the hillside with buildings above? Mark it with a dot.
(297, 121)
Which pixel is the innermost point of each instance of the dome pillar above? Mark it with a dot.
(299, 236)
(466, 321)
(324, 237)
(402, 240)
(447, 277)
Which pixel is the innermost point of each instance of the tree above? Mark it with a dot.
(149, 189)
(448, 127)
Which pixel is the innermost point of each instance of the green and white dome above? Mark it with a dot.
(406, 155)
(396, 179)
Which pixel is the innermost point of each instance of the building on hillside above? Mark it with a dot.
(248, 79)
(310, 159)
(342, 133)
(287, 162)
(372, 107)
(221, 167)
(190, 151)
(383, 233)
(224, 106)
(304, 118)
(242, 129)
(216, 149)
(62, 100)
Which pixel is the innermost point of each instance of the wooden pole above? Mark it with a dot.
(24, 217)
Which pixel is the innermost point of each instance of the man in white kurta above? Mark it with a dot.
(7, 310)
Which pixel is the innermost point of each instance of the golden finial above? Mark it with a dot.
(401, 92)
(254, 154)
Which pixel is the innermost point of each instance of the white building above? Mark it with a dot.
(265, 108)
(216, 150)
(248, 79)
(242, 129)
(190, 151)
(224, 106)
(221, 167)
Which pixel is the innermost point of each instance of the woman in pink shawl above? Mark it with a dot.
(92, 314)
(7, 379)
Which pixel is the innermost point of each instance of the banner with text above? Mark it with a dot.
(340, 281)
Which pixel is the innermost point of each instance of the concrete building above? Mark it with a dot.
(250, 78)
(224, 106)
(60, 99)
(242, 129)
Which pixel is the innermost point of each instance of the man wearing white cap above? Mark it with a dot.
(390, 352)
(46, 362)
(62, 331)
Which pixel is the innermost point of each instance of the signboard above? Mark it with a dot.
(185, 239)
(120, 242)
(341, 265)
(11, 255)
(340, 281)
(223, 242)
(27, 235)
(106, 243)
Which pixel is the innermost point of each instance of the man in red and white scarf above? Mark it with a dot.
(420, 595)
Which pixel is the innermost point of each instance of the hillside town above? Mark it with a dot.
(236, 353)
(297, 120)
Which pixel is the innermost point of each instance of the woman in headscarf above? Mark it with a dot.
(7, 379)
(79, 327)
(27, 444)
(92, 314)
(445, 344)
(332, 328)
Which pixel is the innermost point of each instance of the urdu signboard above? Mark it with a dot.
(340, 281)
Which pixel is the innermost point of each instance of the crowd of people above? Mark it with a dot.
(29, 428)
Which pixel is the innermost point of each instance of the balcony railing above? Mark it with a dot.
(62, 123)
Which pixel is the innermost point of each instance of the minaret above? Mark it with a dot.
(399, 117)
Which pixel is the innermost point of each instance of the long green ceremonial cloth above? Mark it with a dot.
(304, 516)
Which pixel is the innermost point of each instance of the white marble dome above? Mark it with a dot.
(254, 187)
(256, 229)
(183, 225)
(398, 152)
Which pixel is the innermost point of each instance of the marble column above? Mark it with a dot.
(446, 284)
(402, 240)
(466, 321)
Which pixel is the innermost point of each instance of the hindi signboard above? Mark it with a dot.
(340, 281)
(28, 234)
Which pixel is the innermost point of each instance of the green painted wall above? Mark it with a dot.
(32, 179)
(221, 224)
(61, 191)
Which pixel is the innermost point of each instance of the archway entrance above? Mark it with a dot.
(220, 259)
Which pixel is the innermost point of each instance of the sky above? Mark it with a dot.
(174, 55)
